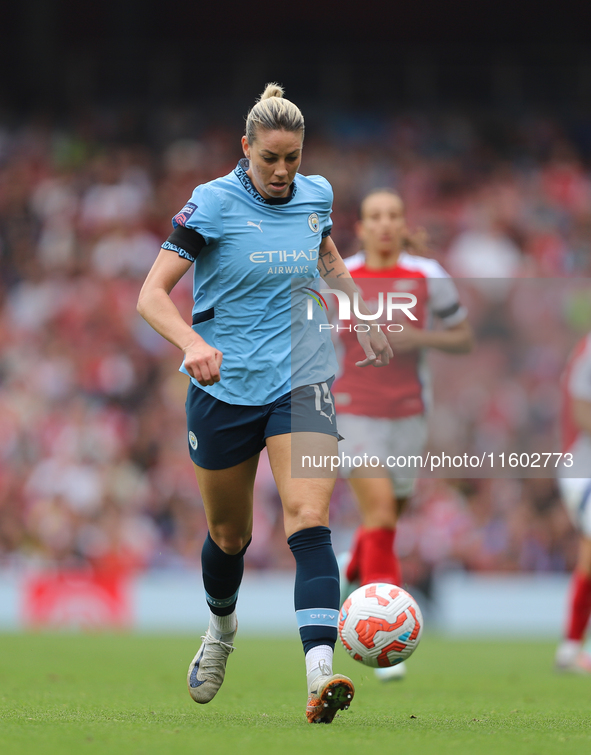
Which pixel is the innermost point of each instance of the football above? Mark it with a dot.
(380, 625)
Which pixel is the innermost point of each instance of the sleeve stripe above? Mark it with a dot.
(448, 311)
(178, 250)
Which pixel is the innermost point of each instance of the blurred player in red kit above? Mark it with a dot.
(575, 490)
(387, 416)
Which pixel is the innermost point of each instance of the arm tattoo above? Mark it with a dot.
(324, 260)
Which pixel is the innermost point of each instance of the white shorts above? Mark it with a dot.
(383, 438)
(576, 495)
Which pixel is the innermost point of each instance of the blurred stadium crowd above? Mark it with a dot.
(93, 461)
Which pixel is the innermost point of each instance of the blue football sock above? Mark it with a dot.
(316, 586)
(222, 575)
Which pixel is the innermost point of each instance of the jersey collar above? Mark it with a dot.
(240, 172)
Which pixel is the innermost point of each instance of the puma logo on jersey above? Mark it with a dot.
(255, 225)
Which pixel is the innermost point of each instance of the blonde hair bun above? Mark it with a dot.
(272, 90)
(272, 112)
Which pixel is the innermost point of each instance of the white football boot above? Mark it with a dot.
(208, 668)
(571, 658)
(391, 673)
(327, 695)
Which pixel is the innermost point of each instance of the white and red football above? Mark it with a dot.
(380, 625)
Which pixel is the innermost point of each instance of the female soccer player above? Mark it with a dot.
(260, 375)
(383, 415)
(576, 494)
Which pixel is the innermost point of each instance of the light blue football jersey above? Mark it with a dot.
(250, 285)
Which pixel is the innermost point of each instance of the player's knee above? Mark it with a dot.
(230, 542)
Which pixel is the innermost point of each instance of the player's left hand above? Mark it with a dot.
(376, 347)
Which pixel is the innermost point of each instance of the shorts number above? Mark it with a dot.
(326, 396)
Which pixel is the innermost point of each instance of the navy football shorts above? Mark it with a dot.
(222, 435)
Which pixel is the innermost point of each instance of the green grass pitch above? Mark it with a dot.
(85, 693)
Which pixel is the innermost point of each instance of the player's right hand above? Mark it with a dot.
(378, 351)
(203, 363)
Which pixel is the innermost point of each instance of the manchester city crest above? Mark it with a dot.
(313, 222)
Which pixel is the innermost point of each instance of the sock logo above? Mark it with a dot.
(323, 617)
(221, 602)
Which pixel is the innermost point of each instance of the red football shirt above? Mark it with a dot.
(398, 390)
(576, 384)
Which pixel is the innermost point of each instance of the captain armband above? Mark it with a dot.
(186, 242)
